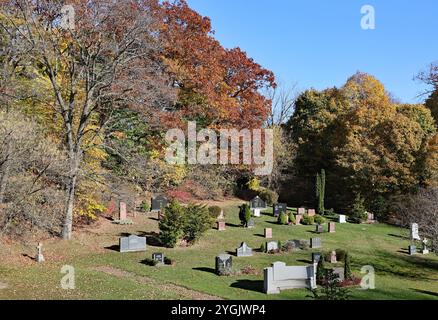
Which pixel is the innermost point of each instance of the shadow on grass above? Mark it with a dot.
(152, 238)
(250, 285)
(259, 235)
(232, 253)
(398, 236)
(305, 261)
(430, 293)
(28, 256)
(233, 225)
(113, 248)
(205, 269)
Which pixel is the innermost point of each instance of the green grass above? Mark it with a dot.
(398, 275)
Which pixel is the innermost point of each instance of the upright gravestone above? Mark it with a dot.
(412, 250)
(319, 229)
(132, 244)
(425, 246)
(123, 215)
(159, 257)
(342, 218)
(224, 264)
(311, 212)
(298, 219)
(340, 272)
(331, 227)
(40, 257)
(414, 232)
(315, 243)
(257, 205)
(244, 251)
(268, 233)
(279, 208)
(301, 211)
(159, 203)
(371, 218)
(333, 258)
(271, 246)
(221, 225)
(316, 256)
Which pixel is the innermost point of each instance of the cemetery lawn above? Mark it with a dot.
(104, 273)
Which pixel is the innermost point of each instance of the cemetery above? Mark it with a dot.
(216, 265)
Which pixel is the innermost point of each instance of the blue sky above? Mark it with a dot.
(320, 43)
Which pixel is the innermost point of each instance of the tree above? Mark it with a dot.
(197, 220)
(172, 224)
(421, 208)
(283, 104)
(244, 214)
(331, 288)
(320, 270)
(107, 61)
(358, 212)
(320, 191)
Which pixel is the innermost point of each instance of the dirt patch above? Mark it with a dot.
(3, 285)
(169, 287)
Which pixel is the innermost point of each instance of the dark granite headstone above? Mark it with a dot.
(159, 203)
(279, 208)
(315, 243)
(159, 257)
(412, 250)
(224, 264)
(316, 256)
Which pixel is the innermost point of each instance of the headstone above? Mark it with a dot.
(224, 264)
(123, 215)
(340, 272)
(268, 233)
(244, 250)
(159, 203)
(412, 250)
(279, 208)
(257, 203)
(159, 257)
(40, 257)
(281, 277)
(221, 226)
(298, 219)
(319, 229)
(414, 232)
(311, 212)
(301, 211)
(315, 243)
(316, 256)
(132, 244)
(342, 218)
(425, 246)
(256, 212)
(332, 227)
(251, 224)
(271, 246)
(370, 218)
(333, 258)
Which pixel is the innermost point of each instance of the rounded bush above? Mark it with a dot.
(269, 196)
(292, 219)
(215, 211)
(307, 220)
(320, 219)
(282, 219)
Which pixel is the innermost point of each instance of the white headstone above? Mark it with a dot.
(281, 277)
(342, 219)
(414, 232)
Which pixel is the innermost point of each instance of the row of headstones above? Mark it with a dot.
(157, 204)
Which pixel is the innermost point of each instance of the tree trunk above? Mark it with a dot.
(5, 174)
(71, 188)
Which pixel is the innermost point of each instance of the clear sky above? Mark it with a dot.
(320, 43)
